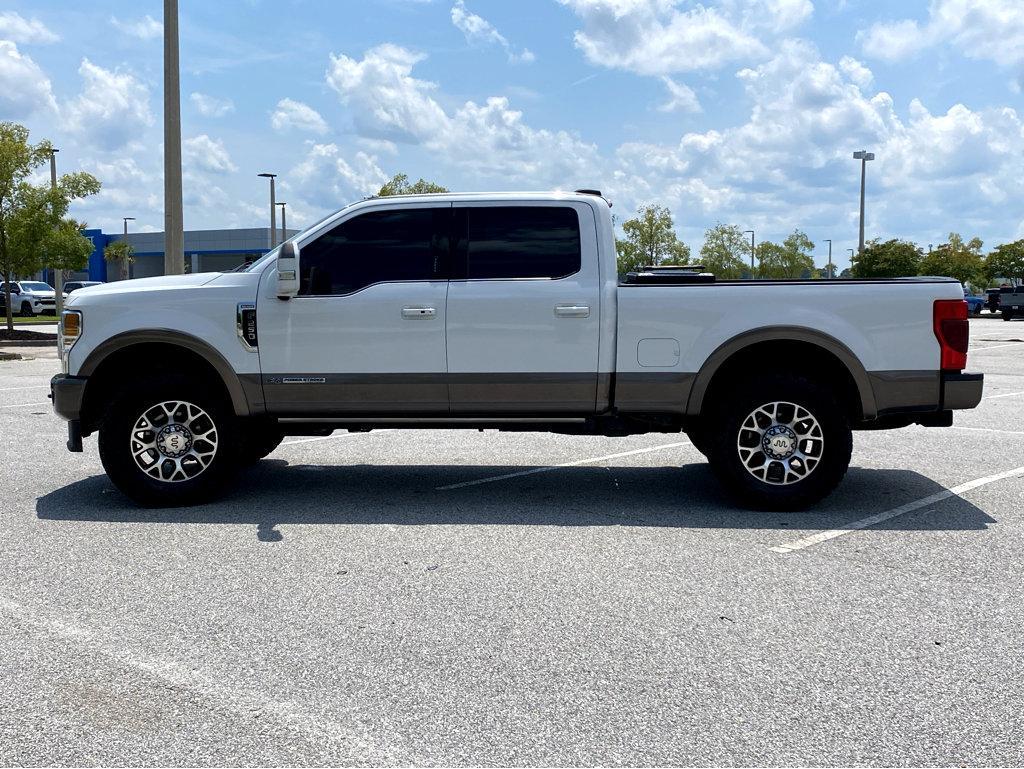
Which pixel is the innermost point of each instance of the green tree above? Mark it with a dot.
(725, 251)
(956, 259)
(32, 227)
(890, 259)
(1006, 262)
(650, 240)
(66, 248)
(790, 260)
(18, 159)
(399, 185)
(122, 252)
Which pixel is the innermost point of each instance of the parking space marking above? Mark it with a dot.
(333, 435)
(185, 676)
(1002, 395)
(29, 387)
(824, 536)
(988, 430)
(549, 468)
(994, 346)
(19, 405)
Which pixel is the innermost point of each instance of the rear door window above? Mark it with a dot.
(507, 242)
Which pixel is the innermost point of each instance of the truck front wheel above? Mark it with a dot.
(779, 442)
(1007, 314)
(169, 442)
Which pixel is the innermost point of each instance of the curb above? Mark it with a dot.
(28, 342)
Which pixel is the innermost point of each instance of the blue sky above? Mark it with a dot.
(741, 111)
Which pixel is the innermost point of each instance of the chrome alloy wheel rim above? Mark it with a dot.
(174, 441)
(780, 443)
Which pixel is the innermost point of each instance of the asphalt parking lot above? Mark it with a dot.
(405, 597)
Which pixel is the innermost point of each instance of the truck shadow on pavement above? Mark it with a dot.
(274, 493)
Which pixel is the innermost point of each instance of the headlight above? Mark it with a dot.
(68, 333)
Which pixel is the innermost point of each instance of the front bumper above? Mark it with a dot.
(961, 390)
(67, 393)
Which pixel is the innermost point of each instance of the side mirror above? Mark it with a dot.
(288, 271)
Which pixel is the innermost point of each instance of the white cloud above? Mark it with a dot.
(789, 163)
(856, 71)
(980, 29)
(24, 87)
(330, 180)
(112, 108)
(479, 31)
(15, 27)
(294, 114)
(489, 139)
(386, 101)
(206, 154)
(657, 37)
(146, 28)
(211, 106)
(681, 97)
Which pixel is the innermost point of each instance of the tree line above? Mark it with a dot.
(650, 240)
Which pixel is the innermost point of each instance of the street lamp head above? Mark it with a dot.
(128, 218)
(267, 176)
(862, 155)
(282, 203)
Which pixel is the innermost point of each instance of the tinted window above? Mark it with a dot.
(377, 247)
(521, 242)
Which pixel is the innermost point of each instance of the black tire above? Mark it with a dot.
(830, 455)
(26, 310)
(977, 310)
(1007, 314)
(186, 485)
(259, 439)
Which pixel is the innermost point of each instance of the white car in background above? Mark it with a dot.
(30, 297)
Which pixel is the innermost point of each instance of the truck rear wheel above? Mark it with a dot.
(780, 442)
(168, 442)
(1007, 314)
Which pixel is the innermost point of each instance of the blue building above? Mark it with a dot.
(205, 251)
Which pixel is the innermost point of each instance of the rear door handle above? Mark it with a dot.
(418, 313)
(572, 311)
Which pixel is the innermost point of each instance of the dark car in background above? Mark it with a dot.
(74, 285)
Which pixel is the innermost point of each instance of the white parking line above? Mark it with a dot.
(19, 405)
(32, 387)
(1002, 395)
(988, 430)
(187, 676)
(824, 536)
(995, 346)
(332, 436)
(549, 468)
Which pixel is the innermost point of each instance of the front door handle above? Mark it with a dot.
(572, 311)
(418, 313)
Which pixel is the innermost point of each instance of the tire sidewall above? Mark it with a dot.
(115, 451)
(730, 413)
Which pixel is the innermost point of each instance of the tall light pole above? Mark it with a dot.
(829, 273)
(751, 234)
(284, 223)
(174, 234)
(851, 256)
(58, 273)
(273, 210)
(126, 267)
(863, 157)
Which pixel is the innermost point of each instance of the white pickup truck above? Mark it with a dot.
(499, 311)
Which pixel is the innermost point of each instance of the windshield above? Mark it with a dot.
(36, 287)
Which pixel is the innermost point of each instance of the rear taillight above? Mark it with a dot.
(949, 319)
